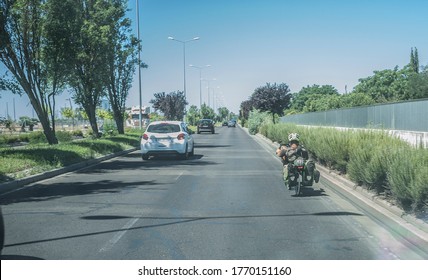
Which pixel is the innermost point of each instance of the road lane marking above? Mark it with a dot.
(179, 175)
(118, 236)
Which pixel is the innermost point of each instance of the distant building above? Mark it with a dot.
(133, 119)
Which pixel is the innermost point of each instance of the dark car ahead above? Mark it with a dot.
(205, 125)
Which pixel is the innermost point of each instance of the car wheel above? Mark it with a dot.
(1, 231)
(145, 157)
(185, 155)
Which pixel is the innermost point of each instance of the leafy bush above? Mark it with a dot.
(37, 137)
(77, 133)
(109, 129)
(408, 177)
(64, 136)
(257, 119)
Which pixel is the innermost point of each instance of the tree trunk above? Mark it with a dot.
(118, 118)
(43, 117)
(93, 121)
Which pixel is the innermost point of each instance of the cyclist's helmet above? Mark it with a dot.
(293, 137)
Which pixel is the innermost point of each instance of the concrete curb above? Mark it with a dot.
(9, 186)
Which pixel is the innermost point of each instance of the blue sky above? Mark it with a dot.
(249, 43)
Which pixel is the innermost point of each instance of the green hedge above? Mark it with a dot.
(372, 159)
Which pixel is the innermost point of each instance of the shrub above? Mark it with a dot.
(37, 137)
(64, 136)
(77, 133)
(256, 119)
(109, 129)
(408, 177)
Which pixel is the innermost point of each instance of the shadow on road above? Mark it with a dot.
(211, 146)
(18, 257)
(41, 192)
(168, 221)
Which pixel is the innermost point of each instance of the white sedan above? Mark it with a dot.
(167, 138)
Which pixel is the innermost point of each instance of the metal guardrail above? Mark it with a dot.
(407, 116)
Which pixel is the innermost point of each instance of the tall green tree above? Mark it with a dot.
(418, 84)
(273, 98)
(245, 109)
(414, 60)
(123, 60)
(223, 113)
(207, 112)
(91, 43)
(172, 105)
(386, 85)
(23, 46)
(300, 100)
(193, 115)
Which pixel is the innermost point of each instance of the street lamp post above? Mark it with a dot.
(184, 58)
(208, 87)
(200, 81)
(140, 118)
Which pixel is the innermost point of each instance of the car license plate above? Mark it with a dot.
(163, 142)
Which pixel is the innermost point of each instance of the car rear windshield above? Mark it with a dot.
(163, 128)
(205, 122)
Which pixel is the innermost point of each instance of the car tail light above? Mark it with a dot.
(180, 136)
(145, 137)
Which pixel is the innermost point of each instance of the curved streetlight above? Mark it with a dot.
(200, 81)
(184, 57)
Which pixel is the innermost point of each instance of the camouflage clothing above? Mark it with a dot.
(289, 155)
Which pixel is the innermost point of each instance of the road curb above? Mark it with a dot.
(412, 224)
(9, 186)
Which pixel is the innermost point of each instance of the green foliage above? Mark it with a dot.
(356, 99)
(33, 159)
(386, 85)
(64, 136)
(37, 137)
(245, 109)
(256, 120)
(23, 44)
(77, 133)
(414, 60)
(318, 102)
(372, 159)
(104, 114)
(273, 98)
(223, 113)
(109, 129)
(408, 177)
(172, 105)
(300, 99)
(369, 156)
(418, 85)
(193, 115)
(207, 112)
(329, 146)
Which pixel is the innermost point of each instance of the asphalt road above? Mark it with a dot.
(226, 202)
